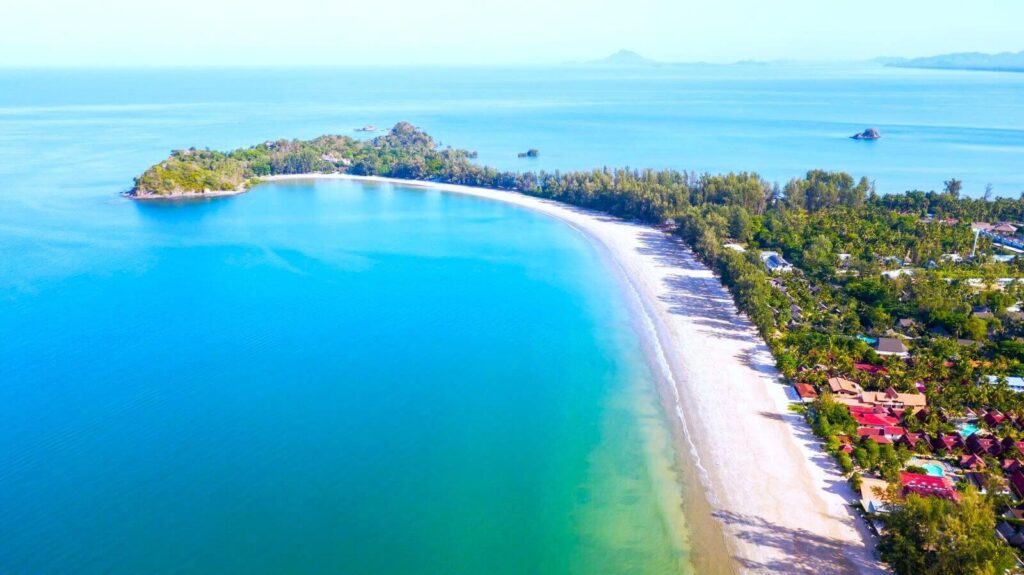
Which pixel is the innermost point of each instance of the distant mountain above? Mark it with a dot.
(623, 59)
(1006, 61)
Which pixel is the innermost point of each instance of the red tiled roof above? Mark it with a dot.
(866, 431)
(972, 462)
(894, 431)
(880, 439)
(875, 419)
(947, 441)
(911, 439)
(922, 484)
(868, 368)
(806, 390)
(994, 417)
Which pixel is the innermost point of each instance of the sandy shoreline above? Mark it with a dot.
(777, 498)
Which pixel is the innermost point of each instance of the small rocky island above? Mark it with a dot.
(869, 134)
(531, 153)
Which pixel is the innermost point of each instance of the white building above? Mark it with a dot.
(1013, 382)
(775, 262)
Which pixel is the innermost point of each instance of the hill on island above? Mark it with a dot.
(623, 59)
(1003, 62)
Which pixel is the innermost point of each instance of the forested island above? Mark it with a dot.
(913, 299)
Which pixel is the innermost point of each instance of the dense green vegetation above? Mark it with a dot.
(929, 535)
(960, 323)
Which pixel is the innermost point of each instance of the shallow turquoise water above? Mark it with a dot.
(326, 377)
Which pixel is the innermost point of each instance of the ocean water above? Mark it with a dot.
(335, 377)
(325, 377)
(778, 120)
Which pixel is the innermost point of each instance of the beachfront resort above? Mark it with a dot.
(869, 395)
(896, 320)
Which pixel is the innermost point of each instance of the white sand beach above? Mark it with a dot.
(778, 498)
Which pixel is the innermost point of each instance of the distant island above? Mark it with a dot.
(531, 153)
(1003, 62)
(623, 58)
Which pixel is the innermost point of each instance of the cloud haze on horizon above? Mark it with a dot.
(412, 32)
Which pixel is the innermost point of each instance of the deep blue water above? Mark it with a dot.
(335, 377)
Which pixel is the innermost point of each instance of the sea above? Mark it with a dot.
(354, 378)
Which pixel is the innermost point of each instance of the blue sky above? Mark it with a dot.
(374, 32)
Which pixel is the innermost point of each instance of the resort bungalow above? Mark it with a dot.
(874, 420)
(913, 441)
(893, 274)
(843, 386)
(949, 443)
(1004, 229)
(927, 485)
(906, 324)
(872, 494)
(774, 262)
(806, 392)
(889, 398)
(1010, 533)
(994, 417)
(1017, 482)
(872, 369)
(972, 462)
(979, 479)
(1014, 383)
(983, 446)
(891, 346)
(845, 443)
(1009, 445)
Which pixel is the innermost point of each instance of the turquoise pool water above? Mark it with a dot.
(934, 470)
(968, 429)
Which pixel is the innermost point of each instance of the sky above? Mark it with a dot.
(481, 32)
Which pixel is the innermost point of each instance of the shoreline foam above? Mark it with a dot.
(778, 499)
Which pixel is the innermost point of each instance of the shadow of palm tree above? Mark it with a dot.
(801, 550)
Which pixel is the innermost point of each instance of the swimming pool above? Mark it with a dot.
(934, 469)
(968, 429)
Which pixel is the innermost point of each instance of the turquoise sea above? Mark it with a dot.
(335, 377)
